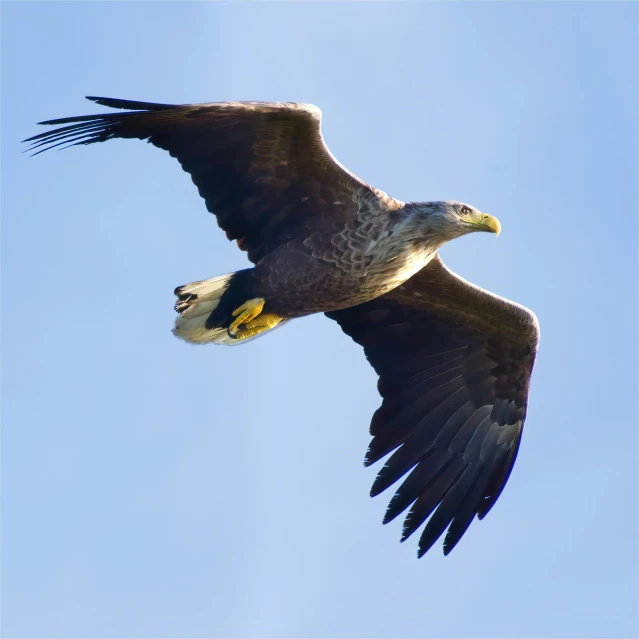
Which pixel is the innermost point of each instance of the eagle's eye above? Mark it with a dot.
(464, 211)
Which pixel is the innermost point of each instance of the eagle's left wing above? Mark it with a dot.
(454, 365)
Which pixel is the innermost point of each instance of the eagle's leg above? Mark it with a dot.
(258, 325)
(245, 313)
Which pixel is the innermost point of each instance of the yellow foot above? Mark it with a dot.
(245, 313)
(259, 325)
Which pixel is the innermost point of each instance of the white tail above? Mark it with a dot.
(196, 301)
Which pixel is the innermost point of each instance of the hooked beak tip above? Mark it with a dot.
(491, 223)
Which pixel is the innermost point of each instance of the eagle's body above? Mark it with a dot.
(454, 361)
(345, 265)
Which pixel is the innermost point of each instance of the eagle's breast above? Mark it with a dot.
(395, 270)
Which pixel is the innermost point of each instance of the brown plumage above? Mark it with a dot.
(262, 168)
(454, 365)
(454, 361)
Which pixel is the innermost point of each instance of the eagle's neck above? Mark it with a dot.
(401, 245)
(407, 236)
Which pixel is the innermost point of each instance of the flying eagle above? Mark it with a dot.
(454, 361)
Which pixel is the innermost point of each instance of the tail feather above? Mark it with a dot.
(196, 302)
(191, 296)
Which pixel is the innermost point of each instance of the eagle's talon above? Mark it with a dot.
(245, 313)
(262, 323)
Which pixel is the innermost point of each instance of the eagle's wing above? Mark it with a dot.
(454, 365)
(263, 168)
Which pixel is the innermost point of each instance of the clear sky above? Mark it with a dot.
(157, 489)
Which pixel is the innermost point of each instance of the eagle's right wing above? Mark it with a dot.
(263, 168)
(454, 365)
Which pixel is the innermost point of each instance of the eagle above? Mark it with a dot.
(454, 361)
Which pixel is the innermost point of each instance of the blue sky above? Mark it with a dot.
(155, 489)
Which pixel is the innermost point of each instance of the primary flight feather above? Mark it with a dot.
(454, 361)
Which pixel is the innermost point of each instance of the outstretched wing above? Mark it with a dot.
(263, 168)
(454, 365)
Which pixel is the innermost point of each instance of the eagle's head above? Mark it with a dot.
(450, 219)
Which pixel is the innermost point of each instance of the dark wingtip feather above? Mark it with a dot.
(96, 99)
(429, 537)
(368, 460)
(387, 476)
(392, 511)
(421, 477)
(116, 103)
(398, 504)
(405, 534)
(375, 488)
(498, 481)
(448, 507)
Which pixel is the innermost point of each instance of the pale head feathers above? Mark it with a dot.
(445, 220)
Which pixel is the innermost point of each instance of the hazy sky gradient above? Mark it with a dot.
(157, 489)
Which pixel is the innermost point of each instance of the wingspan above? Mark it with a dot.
(263, 168)
(454, 365)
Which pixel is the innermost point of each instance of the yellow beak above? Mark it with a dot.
(489, 223)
